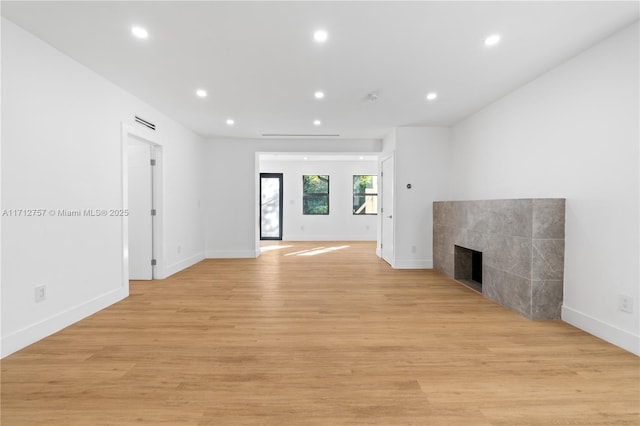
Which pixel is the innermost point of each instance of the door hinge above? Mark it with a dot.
(153, 162)
(153, 212)
(380, 245)
(153, 262)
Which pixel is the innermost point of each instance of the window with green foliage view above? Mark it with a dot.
(315, 194)
(365, 194)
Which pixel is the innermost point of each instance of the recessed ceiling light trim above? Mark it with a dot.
(319, 94)
(492, 40)
(432, 96)
(230, 122)
(139, 32)
(320, 36)
(201, 93)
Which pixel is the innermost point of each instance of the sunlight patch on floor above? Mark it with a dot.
(298, 253)
(322, 250)
(271, 248)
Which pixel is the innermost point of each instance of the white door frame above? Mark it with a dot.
(151, 138)
(384, 214)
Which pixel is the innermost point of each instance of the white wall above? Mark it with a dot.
(61, 149)
(341, 224)
(231, 182)
(572, 133)
(422, 160)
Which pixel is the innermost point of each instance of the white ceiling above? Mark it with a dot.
(260, 65)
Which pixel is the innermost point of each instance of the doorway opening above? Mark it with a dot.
(271, 206)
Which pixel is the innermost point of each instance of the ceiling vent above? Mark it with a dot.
(299, 135)
(145, 123)
(372, 97)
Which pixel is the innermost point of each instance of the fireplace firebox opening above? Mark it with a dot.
(468, 267)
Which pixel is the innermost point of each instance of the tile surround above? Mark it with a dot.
(522, 242)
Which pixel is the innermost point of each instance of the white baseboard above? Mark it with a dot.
(413, 264)
(24, 337)
(232, 254)
(183, 264)
(610, 333)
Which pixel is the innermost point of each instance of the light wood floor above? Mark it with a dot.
(336, 338)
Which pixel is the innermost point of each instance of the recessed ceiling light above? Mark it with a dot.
(432, 96)
(492, 40)
(139, 32)
(317, 122)
(319, 94)
(201, 93)
(305, 158)
(320, 36)
(230, 122)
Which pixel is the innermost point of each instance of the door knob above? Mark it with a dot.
(390, 216)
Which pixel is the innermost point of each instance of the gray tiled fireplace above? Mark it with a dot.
(521, 246)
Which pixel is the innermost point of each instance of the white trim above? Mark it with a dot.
(183, 264)
(413, 264)
(608, 332)
(232, 254)
(48, 326)
(124, 174)
(381, 197)
(158, 243)
(256, 204)
(149, 137)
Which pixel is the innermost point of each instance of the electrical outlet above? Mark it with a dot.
(413, 249)
(179, 249)
(40, 293)
(625, 303)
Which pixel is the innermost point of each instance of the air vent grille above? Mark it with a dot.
(300, 135)
(145, 123)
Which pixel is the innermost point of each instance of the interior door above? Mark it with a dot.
(388, 230)
(140, 205)
(271, 206)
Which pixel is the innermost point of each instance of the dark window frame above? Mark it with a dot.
(363, 194)
(280, 177)
(316, 195)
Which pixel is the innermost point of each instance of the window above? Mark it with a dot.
(315, 194)
(365, 194)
